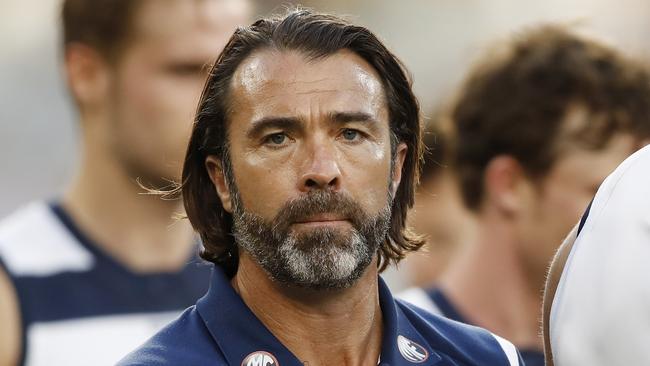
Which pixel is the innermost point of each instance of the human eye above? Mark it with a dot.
(276, 140)
(351, 135)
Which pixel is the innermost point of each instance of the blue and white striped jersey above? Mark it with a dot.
(78, 305)
(222, 330)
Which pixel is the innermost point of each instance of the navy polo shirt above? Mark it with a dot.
(221, 330)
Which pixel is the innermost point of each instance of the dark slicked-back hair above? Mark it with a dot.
(315, 36)
(517, 103)
(104, 25)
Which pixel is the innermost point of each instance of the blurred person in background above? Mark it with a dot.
(539, 126)
(439, 213)
(89, 276)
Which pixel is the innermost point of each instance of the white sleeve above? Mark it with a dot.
(601, 310)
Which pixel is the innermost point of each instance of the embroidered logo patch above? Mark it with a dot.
(411, 351)
(260, 358)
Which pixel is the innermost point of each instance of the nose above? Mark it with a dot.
(322, 170)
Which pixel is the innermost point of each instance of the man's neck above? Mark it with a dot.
(488, 285)
(138, 230)
(327, 327)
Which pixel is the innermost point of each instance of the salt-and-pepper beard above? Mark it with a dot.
(320, 258)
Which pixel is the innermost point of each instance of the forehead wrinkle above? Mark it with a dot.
(317, 91)
(307, 82)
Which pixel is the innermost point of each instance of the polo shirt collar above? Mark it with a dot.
(240, 334)
(402, 344)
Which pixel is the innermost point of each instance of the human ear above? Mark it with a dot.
(217, 176)
(400, 156)
(506, 185)
(87, 75)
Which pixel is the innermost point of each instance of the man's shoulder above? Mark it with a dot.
(462, 341)
(185, 341)
(34, 242)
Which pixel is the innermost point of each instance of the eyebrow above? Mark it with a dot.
(266, 123)
(345, 117)
(294, 123)
(342, 118)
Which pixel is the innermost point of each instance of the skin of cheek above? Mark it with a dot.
(265, 181)
(560, 202)
(557, 208)
(563, 207)
(367, 174)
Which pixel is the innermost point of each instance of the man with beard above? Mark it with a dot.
(299, 174)
(90, 276)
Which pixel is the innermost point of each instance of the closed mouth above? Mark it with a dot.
(323, 219)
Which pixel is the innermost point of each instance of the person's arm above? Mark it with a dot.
(552, 280)
(9, 322)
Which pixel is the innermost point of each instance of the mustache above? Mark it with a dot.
(319, 202)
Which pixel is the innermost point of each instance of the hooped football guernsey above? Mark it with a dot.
(78, 306)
